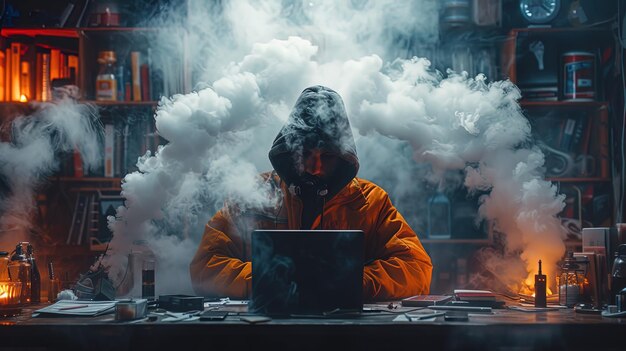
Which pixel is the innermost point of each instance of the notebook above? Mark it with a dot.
(307, 272)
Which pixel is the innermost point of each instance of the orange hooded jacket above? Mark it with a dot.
(396, 264)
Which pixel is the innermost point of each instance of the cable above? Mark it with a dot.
(623, 158)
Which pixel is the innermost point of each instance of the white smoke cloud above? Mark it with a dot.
(32, 154)
(407, 115)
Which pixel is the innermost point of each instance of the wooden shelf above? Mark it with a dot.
(570, 30)
(37, 32)
(69, 32)
(88, 179)
(552, 104)
(579, 180)
(95, 102)
(118, 29)
(121, 103)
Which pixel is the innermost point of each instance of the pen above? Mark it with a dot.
(72, 307)
(424, 316)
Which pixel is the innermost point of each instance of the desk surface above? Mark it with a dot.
(504, 329)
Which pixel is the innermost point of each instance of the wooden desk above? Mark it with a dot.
(502, 330)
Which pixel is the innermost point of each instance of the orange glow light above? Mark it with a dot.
(10, 293)
(23, 98)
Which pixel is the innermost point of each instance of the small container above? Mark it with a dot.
(54, 287)
(181, 303)
(620, 301)
(570, 281)
(19, 271)
(578, 76)
(126, 310)
(4, 266)
(147, 279)
(106, 82)
(439, 217)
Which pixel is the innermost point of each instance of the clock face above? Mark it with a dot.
(539, 11)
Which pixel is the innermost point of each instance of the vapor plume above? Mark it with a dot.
(415, 127)
(32, 153)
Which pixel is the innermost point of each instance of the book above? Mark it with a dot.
(79, 171)
(78, 219)
(145, 82)
(78, 308)
(15, 78)
(109, 144)
(474, 295)
(135, 75)
(425, 300)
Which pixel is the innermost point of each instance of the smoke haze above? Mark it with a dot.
(414, 126)
(32, 154)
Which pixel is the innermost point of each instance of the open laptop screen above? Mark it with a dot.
(307, 271)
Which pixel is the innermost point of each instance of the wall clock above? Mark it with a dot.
(539, 11)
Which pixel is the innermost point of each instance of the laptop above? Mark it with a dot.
(307, 272)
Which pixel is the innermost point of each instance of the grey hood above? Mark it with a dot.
(318, 120)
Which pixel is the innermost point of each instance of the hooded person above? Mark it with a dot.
(314, 186)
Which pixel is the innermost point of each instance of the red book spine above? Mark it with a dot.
(145, 82)
(78, 165)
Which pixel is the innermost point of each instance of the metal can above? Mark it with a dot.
(578, 76)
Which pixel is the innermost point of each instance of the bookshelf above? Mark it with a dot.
(51, 57)
(575, 135)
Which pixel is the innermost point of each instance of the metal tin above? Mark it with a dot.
(126, 310)
(578, 76)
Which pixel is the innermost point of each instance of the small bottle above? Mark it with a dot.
(439, 217)
(35, 277)
(106, 82)
(54, 285)
(147, 278)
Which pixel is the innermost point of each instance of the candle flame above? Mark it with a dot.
(23, 98)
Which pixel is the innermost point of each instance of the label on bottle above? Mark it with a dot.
(106, 90)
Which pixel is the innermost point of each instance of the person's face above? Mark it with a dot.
(320, 164)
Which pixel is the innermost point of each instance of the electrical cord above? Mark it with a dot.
(623, 158)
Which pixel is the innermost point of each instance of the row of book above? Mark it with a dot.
(138, 78)
(30, 72)
(27, 71)
(89, 225)
(122, 145)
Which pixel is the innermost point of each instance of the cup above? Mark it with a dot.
(54, 287)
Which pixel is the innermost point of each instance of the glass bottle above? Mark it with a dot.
(439, 217)
(570, 282)
(35, 277)
(106, 82)
(19, 271)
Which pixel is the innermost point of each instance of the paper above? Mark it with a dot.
(531, 308)
(79, 308)
(226, 302)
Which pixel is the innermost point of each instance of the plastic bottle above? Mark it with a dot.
(106, 82)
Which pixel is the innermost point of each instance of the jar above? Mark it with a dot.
(104, 13)
(106, 82)
(19, 271)
(4, 266)
(570, 281)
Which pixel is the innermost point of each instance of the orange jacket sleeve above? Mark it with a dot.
(217, 269)
(400, 266)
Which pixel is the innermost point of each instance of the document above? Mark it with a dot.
(78, 308)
